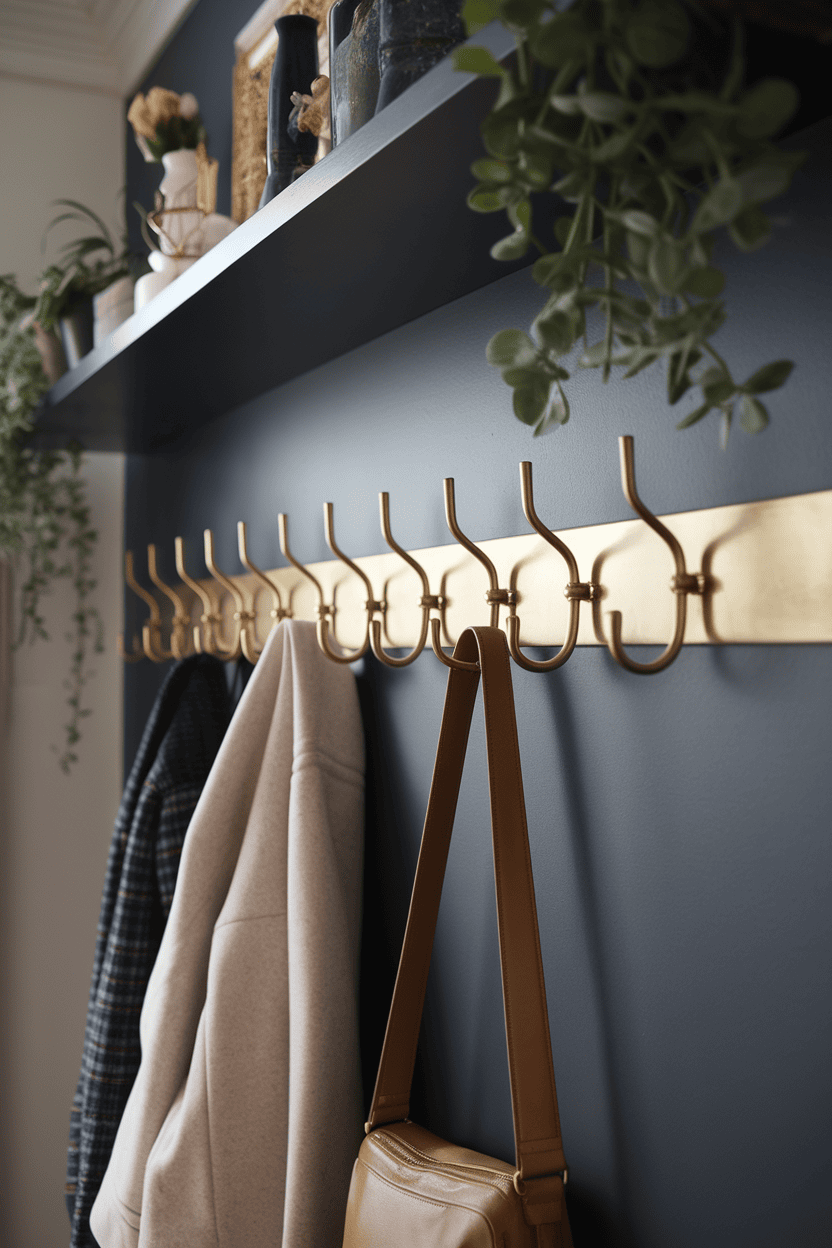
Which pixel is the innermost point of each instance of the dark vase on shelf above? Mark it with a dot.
(295, 68)
(353, 59)
(413, 36)
(77, 332)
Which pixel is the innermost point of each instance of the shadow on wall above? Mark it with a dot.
(592, 1221)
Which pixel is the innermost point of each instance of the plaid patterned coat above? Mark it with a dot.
(178, 748)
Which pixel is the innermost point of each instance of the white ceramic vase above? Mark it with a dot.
(185, 235)
(181, 230)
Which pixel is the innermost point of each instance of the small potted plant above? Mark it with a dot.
(87, 266)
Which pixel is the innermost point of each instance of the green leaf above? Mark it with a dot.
(478, 13)
(694, 416)
(766, 108)
(770, 377)
(520, 215)
(536, 169)
(555, 271)
(556, 414)
(477, 61)
(769, 176)
(491, 171)
(639, 222)
(525, 377)
(753, 415)
(555, 331)
(563, 39)
(521, 13)
(657, 34)
(718, 390)
(511, 348)
(529, 403)
(665, 264)
(602, 106)
(719, 206)
(501, 135)
(705, 283)
(484, 199)
(750, 229)
(569, 105)
(613, 147)
(639, 359)
(594, 357)
(512, 247)
(573, 187)
(638, 249)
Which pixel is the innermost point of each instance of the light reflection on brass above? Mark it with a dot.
(768, 567)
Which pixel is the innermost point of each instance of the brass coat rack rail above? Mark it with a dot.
(754, 572)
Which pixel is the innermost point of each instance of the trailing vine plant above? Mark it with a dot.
(44, 515)
(614, 106)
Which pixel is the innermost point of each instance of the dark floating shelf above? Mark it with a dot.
(374, 236)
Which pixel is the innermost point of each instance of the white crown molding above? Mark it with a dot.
(104, 46)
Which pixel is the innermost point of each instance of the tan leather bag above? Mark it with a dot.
(409, 1188)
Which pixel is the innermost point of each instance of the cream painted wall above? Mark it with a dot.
(54, 142)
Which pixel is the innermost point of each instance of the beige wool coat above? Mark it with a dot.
(246, 1113)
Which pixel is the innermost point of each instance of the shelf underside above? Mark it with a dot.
(375, 235)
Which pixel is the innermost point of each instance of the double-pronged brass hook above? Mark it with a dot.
(137, 653)
(371, 605)
(241, 642)
(577, 591)
(206, 641)
(426, 602)
(682, 584)
(152, 628)
(322, 608)
(211, 638)
(277, 612)
(495, 596)
(180, 643)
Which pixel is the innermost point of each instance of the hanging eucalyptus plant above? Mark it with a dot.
(614, 107)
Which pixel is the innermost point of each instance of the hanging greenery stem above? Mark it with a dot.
(613, 107)
(44, 516)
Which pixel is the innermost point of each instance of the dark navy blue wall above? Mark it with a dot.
(680, 825)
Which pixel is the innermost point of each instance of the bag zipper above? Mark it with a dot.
(413, 1156)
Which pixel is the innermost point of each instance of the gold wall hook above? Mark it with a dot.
(426, 602)
(371, 604)
(152, 627)
(208, 641)
(179, 641)
(323, 608)
(682, 584)
(277, 612)
(576, 591)
(495, 596)
(137, 653)
(241, 613)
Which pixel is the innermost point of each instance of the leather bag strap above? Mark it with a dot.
(537, 1134)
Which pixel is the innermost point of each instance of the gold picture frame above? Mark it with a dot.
(254, 52)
